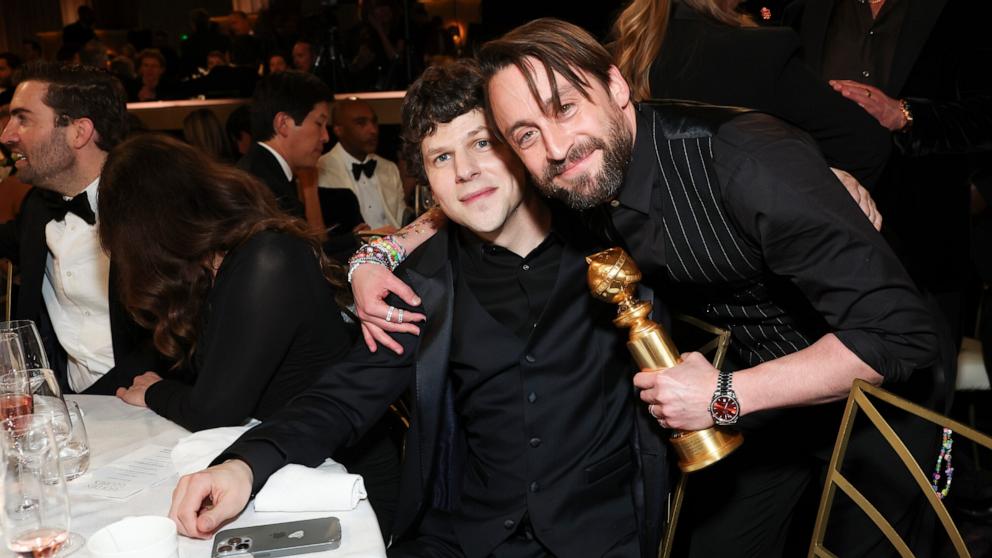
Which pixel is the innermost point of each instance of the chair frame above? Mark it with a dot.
(859, 401)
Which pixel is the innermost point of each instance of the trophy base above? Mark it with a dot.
(702, 448)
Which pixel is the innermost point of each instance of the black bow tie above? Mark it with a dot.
(59, 206)
(368, 167)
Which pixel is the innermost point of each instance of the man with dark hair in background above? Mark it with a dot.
(289, 116)
(64, 121)
(303, 56)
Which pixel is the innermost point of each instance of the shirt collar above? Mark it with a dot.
(92, 194)
(282, 162)
(642, 171)
(348, 158)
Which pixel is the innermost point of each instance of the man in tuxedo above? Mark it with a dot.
(735, 218)
(526, 438)
(289, 115)
(64, 120)
(353, 165)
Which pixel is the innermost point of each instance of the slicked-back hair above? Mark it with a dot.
(76, 91)
(292, 92)
(561, 47)
(441, 94)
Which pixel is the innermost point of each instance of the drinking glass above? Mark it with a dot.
(66, 418)
(35, 510)
(75, 452)
(33, 351)
(15, 394)
(11, 353)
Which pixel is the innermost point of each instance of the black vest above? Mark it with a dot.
(561, 405)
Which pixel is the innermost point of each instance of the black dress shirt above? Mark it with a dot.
(513, 289)
(861, 48)
(750, 231)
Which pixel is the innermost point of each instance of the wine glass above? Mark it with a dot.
(35, 511)
(15, 394)
(33, 351)
(66, 418)
(11, 353)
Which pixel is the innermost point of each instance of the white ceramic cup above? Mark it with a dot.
(147, 536)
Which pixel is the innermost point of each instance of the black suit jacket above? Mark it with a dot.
(351, 398)
(760, 68)
(264, 166)
(23, 241)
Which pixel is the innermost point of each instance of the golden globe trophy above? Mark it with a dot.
(613, 277)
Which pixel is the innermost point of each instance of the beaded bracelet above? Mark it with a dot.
(384, 251)
(946, 445)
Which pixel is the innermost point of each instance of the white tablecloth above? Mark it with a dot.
(116, 429)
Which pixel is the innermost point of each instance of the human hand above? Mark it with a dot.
(361, 227)
(135, 395)
(679, 397)
(203, 501)
(370, 285)
(885, 109)
(861, 197)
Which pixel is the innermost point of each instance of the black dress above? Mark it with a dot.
(759, 68)
(270, 328)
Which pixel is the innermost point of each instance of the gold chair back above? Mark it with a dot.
(860, 401)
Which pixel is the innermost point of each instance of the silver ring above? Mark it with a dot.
(389, 314)
(661, 423)
(651, 412)
(399, 319)
(868, 92)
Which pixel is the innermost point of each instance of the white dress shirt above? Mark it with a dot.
(379, 197)
(75, 287)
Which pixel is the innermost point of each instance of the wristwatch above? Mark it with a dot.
(724, 407)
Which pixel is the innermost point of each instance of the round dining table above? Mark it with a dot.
(116, 429)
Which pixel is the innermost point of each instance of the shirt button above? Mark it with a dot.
(68, 274)
(615, 203)
(86, 312)
(871, 33)
(532, 397)
(534, 442)
(530, 359)
(534, 486)
(509, 523)
(866, 73)
(526, 267)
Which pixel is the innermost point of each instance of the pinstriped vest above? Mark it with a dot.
(713, 271)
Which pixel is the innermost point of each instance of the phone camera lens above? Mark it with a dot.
(243, 546)
(225, 548)
(234, 540)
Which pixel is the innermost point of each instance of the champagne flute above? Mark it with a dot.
(35, 510)
(33, 351)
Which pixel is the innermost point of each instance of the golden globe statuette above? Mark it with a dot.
(613, 277)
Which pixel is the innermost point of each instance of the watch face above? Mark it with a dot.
(725, 408)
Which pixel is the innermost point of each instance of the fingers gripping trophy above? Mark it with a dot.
(613, 278)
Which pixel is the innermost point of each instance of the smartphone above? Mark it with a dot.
(279, 539)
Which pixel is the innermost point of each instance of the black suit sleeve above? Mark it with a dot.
(347, 399)
(959, 126)
(809, 230)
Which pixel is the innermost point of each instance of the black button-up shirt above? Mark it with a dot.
(859, 47)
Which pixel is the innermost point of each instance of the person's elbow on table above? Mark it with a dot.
(203, 501)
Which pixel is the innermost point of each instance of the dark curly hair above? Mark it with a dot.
(76, 91)
(441, 94)
(167, 211)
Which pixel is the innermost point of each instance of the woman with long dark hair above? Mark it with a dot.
(237, 294)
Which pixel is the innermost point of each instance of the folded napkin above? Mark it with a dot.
(196, 451)
(296, 488)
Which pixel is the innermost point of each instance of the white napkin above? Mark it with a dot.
(196, 451)
(296, 488)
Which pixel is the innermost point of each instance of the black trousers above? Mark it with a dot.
(436, 539)
(761, 501)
